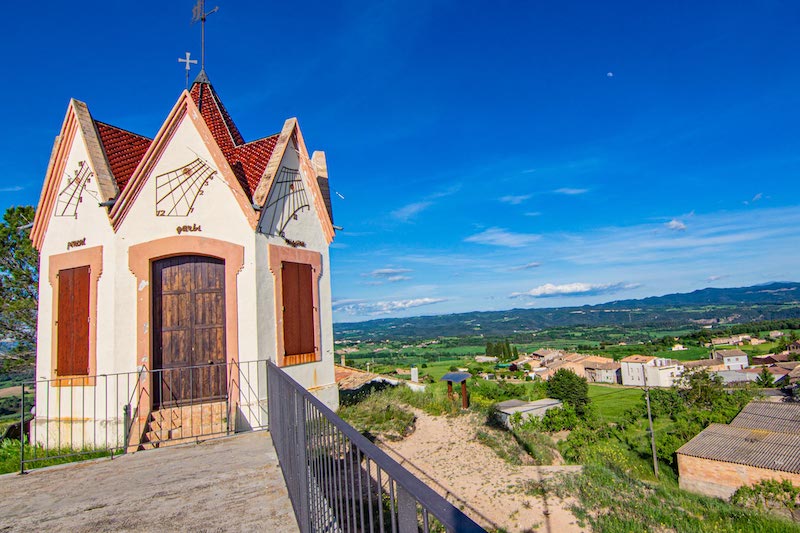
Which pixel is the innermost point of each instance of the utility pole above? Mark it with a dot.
(650, 421)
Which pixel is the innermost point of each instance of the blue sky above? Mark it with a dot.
(483, 155)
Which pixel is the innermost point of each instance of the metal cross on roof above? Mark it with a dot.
(189, 62)
(199, 15)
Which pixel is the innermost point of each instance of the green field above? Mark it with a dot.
(611, 401)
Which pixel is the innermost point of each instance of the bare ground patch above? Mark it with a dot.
(445, 453)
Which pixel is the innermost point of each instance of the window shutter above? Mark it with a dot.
(298, 311)
(73, 322)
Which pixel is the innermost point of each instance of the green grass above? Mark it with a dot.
(380, 416)
(9, 456)
(692, 353)
(611, 402)
(611, 501)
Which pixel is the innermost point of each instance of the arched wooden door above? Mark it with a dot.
(188, 330)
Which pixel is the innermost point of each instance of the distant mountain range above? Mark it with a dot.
(711, 306)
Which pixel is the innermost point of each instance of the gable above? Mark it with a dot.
(77, 181)
(290, 160)
(184, 114)
(185, 185)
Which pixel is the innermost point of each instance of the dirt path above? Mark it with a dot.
(16, 390)
(444, 453)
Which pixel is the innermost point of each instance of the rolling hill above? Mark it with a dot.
(710, 306)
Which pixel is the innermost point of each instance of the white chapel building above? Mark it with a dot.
(178, 260)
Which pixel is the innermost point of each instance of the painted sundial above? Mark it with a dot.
(287, 198)
(177, 190)
(72, 194)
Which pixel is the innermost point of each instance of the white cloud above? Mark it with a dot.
(526, 266)
(515, 199)
(571, 192)
(387, 275)
(388, 272)
(715, 278)
(757, 197)
(407, 212)
(549, 290)
(501, 237)
(15, 188)
(676, 225)
(533, 213)
(362, 307)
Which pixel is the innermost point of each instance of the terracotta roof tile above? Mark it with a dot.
(124, 151)
(248, 160)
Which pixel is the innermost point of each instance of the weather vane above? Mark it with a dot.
(189, 63)
(199, 15)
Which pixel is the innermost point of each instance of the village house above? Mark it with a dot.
(679, 348)
(546, 355)
(779, 375)
(770, 358)
(650, 371)
(602, 370)
(632, 369)
(733, 359)
(775, 334)
(761, 443)
(175, 262)
(794, 348)
(710, 365)
(733, 340)
(735, 377)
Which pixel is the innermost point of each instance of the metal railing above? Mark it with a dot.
(110, 414)
(340, 481)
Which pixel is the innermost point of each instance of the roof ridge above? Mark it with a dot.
(123, 129)
(259, 139)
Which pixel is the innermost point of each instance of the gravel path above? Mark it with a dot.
(230, 484)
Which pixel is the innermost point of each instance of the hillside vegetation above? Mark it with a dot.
(774, 301)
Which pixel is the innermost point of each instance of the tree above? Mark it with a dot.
(765, 379)
(19, 287)
(567, 386)
(701, 389)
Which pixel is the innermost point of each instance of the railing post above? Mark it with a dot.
(126, 428)
(22, 431)
(406, 511)
(302, 461)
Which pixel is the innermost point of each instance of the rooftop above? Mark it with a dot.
(763, 435)
(638, 359)
(752, 447)
(772, 416)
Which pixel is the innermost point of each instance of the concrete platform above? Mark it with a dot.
(229, 484)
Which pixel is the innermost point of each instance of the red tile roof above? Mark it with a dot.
(248, 160)
(124, 151)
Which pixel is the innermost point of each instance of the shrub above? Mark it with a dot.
(569, 387)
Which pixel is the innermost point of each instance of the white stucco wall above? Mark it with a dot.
(95, 412)
(317, 377)
(218, 215)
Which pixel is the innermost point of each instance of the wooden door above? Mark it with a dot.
(189, 330)
(73, 322)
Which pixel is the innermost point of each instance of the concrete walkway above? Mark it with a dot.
(230, 484)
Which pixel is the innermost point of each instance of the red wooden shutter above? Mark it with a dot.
(298, 312)
(73, 322)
